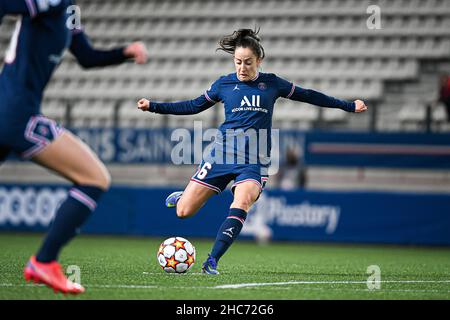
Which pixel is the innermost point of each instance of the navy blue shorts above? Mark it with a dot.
(28, 135)
(217, 176)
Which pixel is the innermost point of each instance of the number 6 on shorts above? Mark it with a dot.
(204, 170)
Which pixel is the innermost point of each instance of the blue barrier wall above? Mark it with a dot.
(299, 216)
(394, 150)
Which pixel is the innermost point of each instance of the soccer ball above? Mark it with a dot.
(176, 255)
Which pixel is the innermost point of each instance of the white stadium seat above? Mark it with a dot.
(320, 44)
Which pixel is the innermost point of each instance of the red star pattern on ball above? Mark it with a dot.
(179, 244)
(190, 260)
(171, 262)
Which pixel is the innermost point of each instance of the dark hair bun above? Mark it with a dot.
(242, 33)
(246, 38)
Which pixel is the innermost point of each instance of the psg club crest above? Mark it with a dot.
(262, 86)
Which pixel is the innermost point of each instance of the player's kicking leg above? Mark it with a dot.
(172, 199)
(189, 201)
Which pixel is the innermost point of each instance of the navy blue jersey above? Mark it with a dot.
(249, 106)
(43, 31)
(36, 48)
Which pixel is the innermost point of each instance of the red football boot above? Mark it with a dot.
(51, 275)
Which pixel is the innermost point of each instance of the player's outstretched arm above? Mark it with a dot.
(177, 108)
(203, 102)
(89, 57)
(360, 106)
(143, 104)
(290, 91)
(30, 8)
(322, 100)
(136, 51)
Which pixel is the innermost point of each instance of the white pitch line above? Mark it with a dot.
(174, 273)
(121, 286)
(260, 284)
(279, 288)
(236, 286)
(106, 286)
(368, 290)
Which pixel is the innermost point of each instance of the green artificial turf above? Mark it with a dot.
(127, 268)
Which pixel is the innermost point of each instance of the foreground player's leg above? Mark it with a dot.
(189, 201)
(71, 215)
(245, 194)
(71, 158)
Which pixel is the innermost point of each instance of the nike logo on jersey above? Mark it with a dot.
(254, 103)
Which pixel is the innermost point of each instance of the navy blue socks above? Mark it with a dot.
(228, 232)
(72, 213)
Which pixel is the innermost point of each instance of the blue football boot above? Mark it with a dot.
(210, 266)
(172, 199)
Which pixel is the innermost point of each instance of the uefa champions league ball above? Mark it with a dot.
(176, 255)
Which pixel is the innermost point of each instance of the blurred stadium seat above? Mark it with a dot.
(324, 45)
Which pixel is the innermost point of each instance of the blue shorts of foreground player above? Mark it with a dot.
(26, 135)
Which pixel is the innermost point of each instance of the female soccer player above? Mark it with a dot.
(36, 48)
(248, 97)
